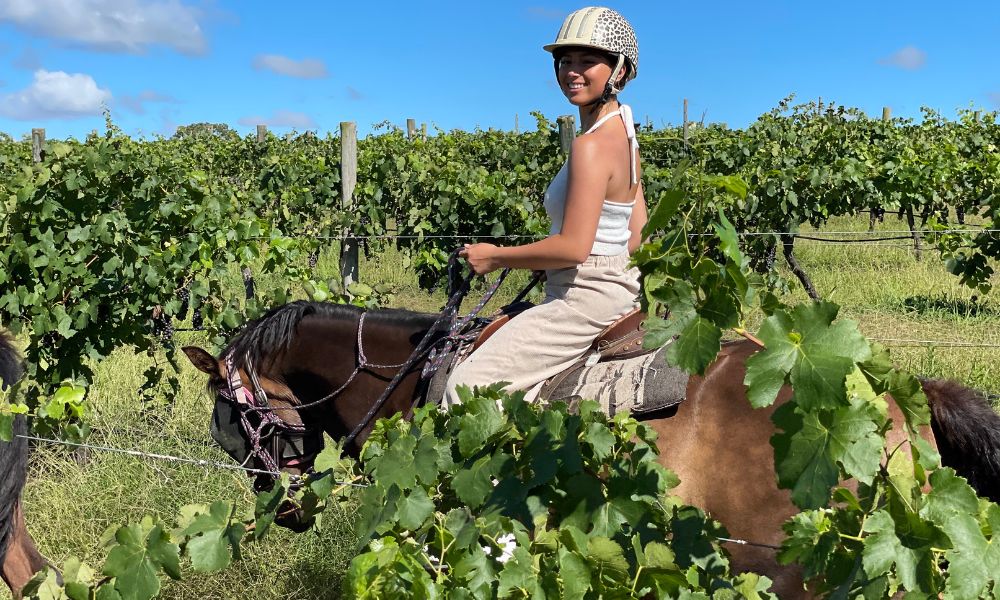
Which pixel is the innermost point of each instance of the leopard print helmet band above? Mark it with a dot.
(603, 29)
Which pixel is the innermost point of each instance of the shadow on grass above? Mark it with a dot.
(320, 572)
(320, 579)
(959, 307)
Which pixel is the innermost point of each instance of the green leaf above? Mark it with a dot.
(766, 370)
(481, 422)
(802, 458)
(816, 353)
(914, 563)
(908, 394)
(518, 574)
(396, 466)
(950, 496)
(729, 241)
(600, 439)
(574, 574)
(129, 564)
(6, 427)
(211, 537)
(659, 556)
(472, 484)
(666, 208)
(855, 441)
(974, 562)
(730, 183)
(604, 553)
(697, 346)
(414, 509)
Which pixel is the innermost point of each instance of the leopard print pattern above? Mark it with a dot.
(614, 33)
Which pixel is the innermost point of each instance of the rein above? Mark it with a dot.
(257, 401)
(449, 313)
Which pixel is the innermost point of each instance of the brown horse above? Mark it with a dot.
(19, 558)
(314, 354)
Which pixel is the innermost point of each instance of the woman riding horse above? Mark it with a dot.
(597, 209)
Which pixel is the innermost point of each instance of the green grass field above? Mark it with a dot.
(71, 500)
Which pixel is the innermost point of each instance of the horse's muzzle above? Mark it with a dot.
(292, 517)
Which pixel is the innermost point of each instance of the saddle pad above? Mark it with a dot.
(640, 385)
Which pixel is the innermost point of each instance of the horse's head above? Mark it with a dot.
(256, 422)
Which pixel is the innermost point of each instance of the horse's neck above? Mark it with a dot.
(339, 344)
(329, 350)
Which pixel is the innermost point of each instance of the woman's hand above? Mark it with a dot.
(482, 258)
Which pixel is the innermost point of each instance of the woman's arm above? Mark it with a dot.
(637, 221)
(587, 187)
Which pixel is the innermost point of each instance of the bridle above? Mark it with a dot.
(293, 444)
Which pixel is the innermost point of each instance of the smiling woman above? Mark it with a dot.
(597, 210)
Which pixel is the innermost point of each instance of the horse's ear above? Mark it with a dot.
(202, 360)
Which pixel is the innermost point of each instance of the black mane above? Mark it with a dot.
(10, 362)
(274, 332)
(13, 454)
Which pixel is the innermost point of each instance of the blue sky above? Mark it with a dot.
(465, 64)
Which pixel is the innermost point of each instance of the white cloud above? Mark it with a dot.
(910, 58)
(110, 25)
(307, 68)
(282, 118)
(354, 94)
(136, 104)
(55, 95)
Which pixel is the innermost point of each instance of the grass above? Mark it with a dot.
(71, 500)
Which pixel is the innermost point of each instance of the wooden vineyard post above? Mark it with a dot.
(685, 121)
(411, 129)
(348, 179)
(886, 113)
(516, 128)
(261, 134)
(567, 132)
(423, 131)
(37, 144)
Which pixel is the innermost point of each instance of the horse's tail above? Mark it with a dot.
(967, 432)
(13, 454)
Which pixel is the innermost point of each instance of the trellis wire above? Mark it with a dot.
(809, 236)
(200, 462)
(208, 463)
(942, 343)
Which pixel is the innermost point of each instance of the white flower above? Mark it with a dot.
(507, 546)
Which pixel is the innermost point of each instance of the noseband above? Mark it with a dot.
(288, 441)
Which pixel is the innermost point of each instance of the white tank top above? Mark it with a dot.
(612, 229)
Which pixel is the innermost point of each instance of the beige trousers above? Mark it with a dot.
(580, 302)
